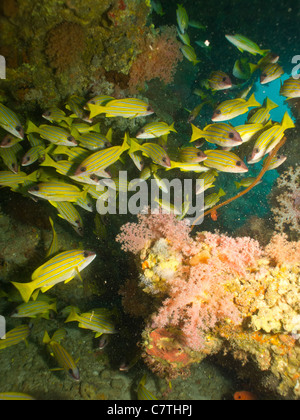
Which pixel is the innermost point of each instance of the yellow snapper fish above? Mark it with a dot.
(76, 105)
(218, 80)
(95, 141)
(142, 392)
(10, 122)
(9, 140)
(270, 138)
(290, 88)
(269, 58)
(221, 134)
(275, 162)
(153, 151)
(248, 131)
(262, 115)
(56, 115)
(270, 72)
(185, 39)
(182, 18)
(15, 336)
(102, 159)
(191, 155)
(99, 321)
(190, 54)
(61, 268)
(208, 179)
(63, 358)
(245, 44)
(15, 396)
(56, 135)
(233, 107)
(65, 167)
(68, 212)
(224, 161)
(99, 100)
(57, 191)
(212, 199)
(246, 182)
(186, 166)
(34, 309)
(10, 157)
(9, 179)
(155, 129)
(33, 154)
(126, 108)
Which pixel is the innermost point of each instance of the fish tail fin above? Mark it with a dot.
(25, 289)
(270, 104)
(197, 133)
(221, 192)
(73, 316)
(48, 161)
(252, 101)
(126, 143)
(31, 128)
(33, 176)
(53, 307)
(134, 146)
(265, 52)
(237, 184)
(109, 135)
(171, 128)
(253, 67)
(46, 338)
(96, 110)
(287, 122)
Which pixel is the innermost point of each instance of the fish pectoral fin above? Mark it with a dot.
(69, 279)
(45, 288)
(78, 274)
(98, 334)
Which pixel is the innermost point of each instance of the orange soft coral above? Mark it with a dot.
(159, 57)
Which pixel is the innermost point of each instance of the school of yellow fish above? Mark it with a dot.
(72, 156)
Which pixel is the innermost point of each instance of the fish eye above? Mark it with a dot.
(239, 163)
(224, 79)
(47, 114)
(256, 150)
(92, 102)
(199, 154)
(149, 108)
(231, 135)
(264, 74)
(218, 111)
(83, 169)
(36, 188)
(164, 159)
(86, 254)
(27, 158)
(18, 128)
(93, 177)
(106, 144)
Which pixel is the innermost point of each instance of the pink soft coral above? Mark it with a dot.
(160, 54)
(282, 251)
(150, 227)
(202, 296)
(201, 293)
